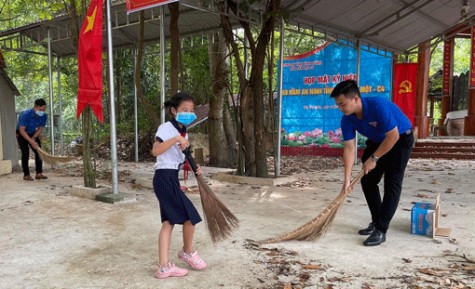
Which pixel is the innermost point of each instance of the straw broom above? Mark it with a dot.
(51, 159)
(317, 227)
(219, 219)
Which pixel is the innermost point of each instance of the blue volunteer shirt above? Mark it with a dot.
(379, 116)
(30, 120)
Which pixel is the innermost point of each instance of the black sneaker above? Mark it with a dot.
(368, 230)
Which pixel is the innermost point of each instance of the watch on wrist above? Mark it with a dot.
(374, 158)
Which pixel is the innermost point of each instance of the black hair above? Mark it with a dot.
(349, 88)
(177, 99)
(40, 102)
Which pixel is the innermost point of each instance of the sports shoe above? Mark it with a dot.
(192, 259)
(170, 271)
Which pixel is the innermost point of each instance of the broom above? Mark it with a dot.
(47, 158)
(219, 219)
(317, 227)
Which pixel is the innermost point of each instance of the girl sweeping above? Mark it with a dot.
(175, 208)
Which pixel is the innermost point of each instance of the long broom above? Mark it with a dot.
(219, 219)
(317, 227)
(51, 159)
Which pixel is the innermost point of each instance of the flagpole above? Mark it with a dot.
(50, 83)
(113, 138)
(162, 63)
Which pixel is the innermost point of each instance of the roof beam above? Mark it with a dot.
(396, 16)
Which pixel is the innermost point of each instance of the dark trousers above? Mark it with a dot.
(392, 165)
(25, 154)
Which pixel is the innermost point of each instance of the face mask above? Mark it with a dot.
(40, 113)
(185, 118)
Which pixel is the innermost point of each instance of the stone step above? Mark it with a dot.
(444, 149)
(445, 144)
(443, 155)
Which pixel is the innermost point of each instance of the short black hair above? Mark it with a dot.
(177, 99)
(40, 102)
(349, 88)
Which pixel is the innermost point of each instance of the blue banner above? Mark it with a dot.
(309, 115)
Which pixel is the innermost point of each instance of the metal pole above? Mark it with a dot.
(115, 175)
(279, 95)
(50, 75)
(162, 63)
(60, 118)
(136, 118)
(358, 67)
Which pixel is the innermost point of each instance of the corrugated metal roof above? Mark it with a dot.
(393, 25)
(125, 29)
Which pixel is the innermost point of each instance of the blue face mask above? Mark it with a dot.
(185, 118)
(40, 113)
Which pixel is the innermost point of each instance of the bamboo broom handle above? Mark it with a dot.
(353, 182)
(191, 160)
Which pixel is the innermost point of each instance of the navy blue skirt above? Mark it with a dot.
(175, 207)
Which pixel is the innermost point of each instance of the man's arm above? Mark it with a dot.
(37, 132)
(27, 137)
(389, 141)
(348, 161)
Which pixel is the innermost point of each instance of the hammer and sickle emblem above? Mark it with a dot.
(405, 87)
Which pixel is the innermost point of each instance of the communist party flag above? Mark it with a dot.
(90, 61)
(404, 96)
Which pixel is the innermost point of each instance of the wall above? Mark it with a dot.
(8, 120)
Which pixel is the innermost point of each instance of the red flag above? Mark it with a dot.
(405, 76)
(136, 5)
(90, 61)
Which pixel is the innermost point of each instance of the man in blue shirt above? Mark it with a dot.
(30, 125)
(388, 148)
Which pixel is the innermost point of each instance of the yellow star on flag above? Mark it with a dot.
(90, 20)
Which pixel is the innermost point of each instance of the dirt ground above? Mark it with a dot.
(51, 239)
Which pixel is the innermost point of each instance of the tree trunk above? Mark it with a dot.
(138, 77)
(230, 136)
(252, 97)
(174, 9)
(89, 173)
(219, 156)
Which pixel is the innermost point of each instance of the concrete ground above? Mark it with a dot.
(50, 239)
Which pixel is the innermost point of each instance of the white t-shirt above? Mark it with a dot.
(173, 157)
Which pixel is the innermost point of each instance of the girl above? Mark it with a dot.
(175, 208)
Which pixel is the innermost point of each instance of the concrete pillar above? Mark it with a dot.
(422, 88)
(5, 165)
(469, 124)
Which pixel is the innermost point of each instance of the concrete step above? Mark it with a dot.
(442, 155)
(462, 149)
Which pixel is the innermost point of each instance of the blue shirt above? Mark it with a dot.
(379, 116)
(30, 120)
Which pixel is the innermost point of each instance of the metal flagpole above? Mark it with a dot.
(279, 94)
(60, 108)
(136, 126)
(358, 68)
(162, 63)
(50, 74)
(115, 175)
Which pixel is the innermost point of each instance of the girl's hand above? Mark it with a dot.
(182, 142)
(199, 171)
